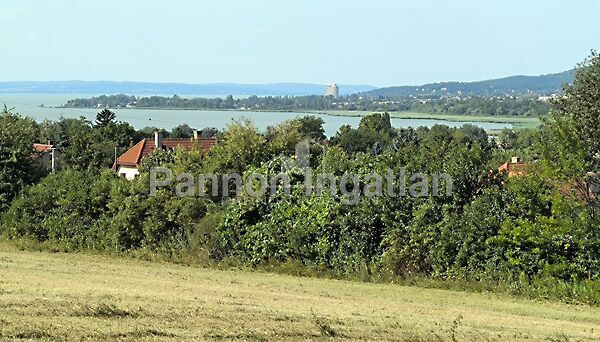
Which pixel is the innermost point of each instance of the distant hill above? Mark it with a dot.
(544, 84)
(137, 88)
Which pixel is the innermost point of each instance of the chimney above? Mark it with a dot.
(158, 140)
(195, 134)
(515, 160)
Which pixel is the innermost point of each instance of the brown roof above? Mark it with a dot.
(514, 169)
(42, 148)
(134, 156)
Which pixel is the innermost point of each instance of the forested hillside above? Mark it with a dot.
(513, 85)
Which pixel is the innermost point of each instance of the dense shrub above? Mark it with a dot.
(63, 207)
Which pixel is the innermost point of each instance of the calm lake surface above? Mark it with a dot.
(28, 105)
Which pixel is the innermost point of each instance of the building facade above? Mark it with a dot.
(332, 90)
(47, 157)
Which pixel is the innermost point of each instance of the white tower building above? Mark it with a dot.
(332, 90)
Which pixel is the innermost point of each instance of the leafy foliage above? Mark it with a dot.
(580, 106)
(17, 135)
(104, 118)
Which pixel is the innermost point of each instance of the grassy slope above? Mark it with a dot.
(74, 296)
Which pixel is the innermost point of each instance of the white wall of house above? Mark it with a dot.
(129, 172)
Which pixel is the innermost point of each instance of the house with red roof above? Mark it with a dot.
(513, 168)
(587, 189)
(127, 165)
(46, 156)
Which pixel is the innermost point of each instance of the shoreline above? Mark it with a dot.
(517, 122)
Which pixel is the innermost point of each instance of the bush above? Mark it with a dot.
(62, 207)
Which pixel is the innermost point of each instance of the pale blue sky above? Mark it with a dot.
(315, 41)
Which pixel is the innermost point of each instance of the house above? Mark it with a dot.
(586, 190)
(46, 156)
(128, 163)
(513, 168)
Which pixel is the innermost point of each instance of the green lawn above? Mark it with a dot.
(56, 296)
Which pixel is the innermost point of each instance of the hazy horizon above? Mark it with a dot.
(275, 83)
(382, 43)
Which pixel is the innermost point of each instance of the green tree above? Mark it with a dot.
(580, 108)
(121, 134)
(569, 143)
(240, 147)
(374, 134)
(76, 203)
(17, 135)
(229, 103)
(312, 127)
(182, 131)
(284, 136)
(104, 118)
(148, 132)
(84, 147)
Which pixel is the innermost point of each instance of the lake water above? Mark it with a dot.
(28, 105)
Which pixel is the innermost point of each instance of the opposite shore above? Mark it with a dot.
(517, 122)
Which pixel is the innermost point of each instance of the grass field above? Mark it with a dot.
(56, 296)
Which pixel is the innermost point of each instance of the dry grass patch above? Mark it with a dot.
(56, 296)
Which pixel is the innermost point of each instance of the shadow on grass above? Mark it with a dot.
(107, 310)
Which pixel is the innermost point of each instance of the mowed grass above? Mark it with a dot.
(57, 296)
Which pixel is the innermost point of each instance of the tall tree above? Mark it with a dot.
(229, 103)
(580, 106)
(104, 118)
(570, 143)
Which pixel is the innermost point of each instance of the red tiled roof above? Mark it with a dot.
(134, 156)
(514, 169)
(42, 148)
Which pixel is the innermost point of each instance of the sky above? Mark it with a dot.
(375, 42)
